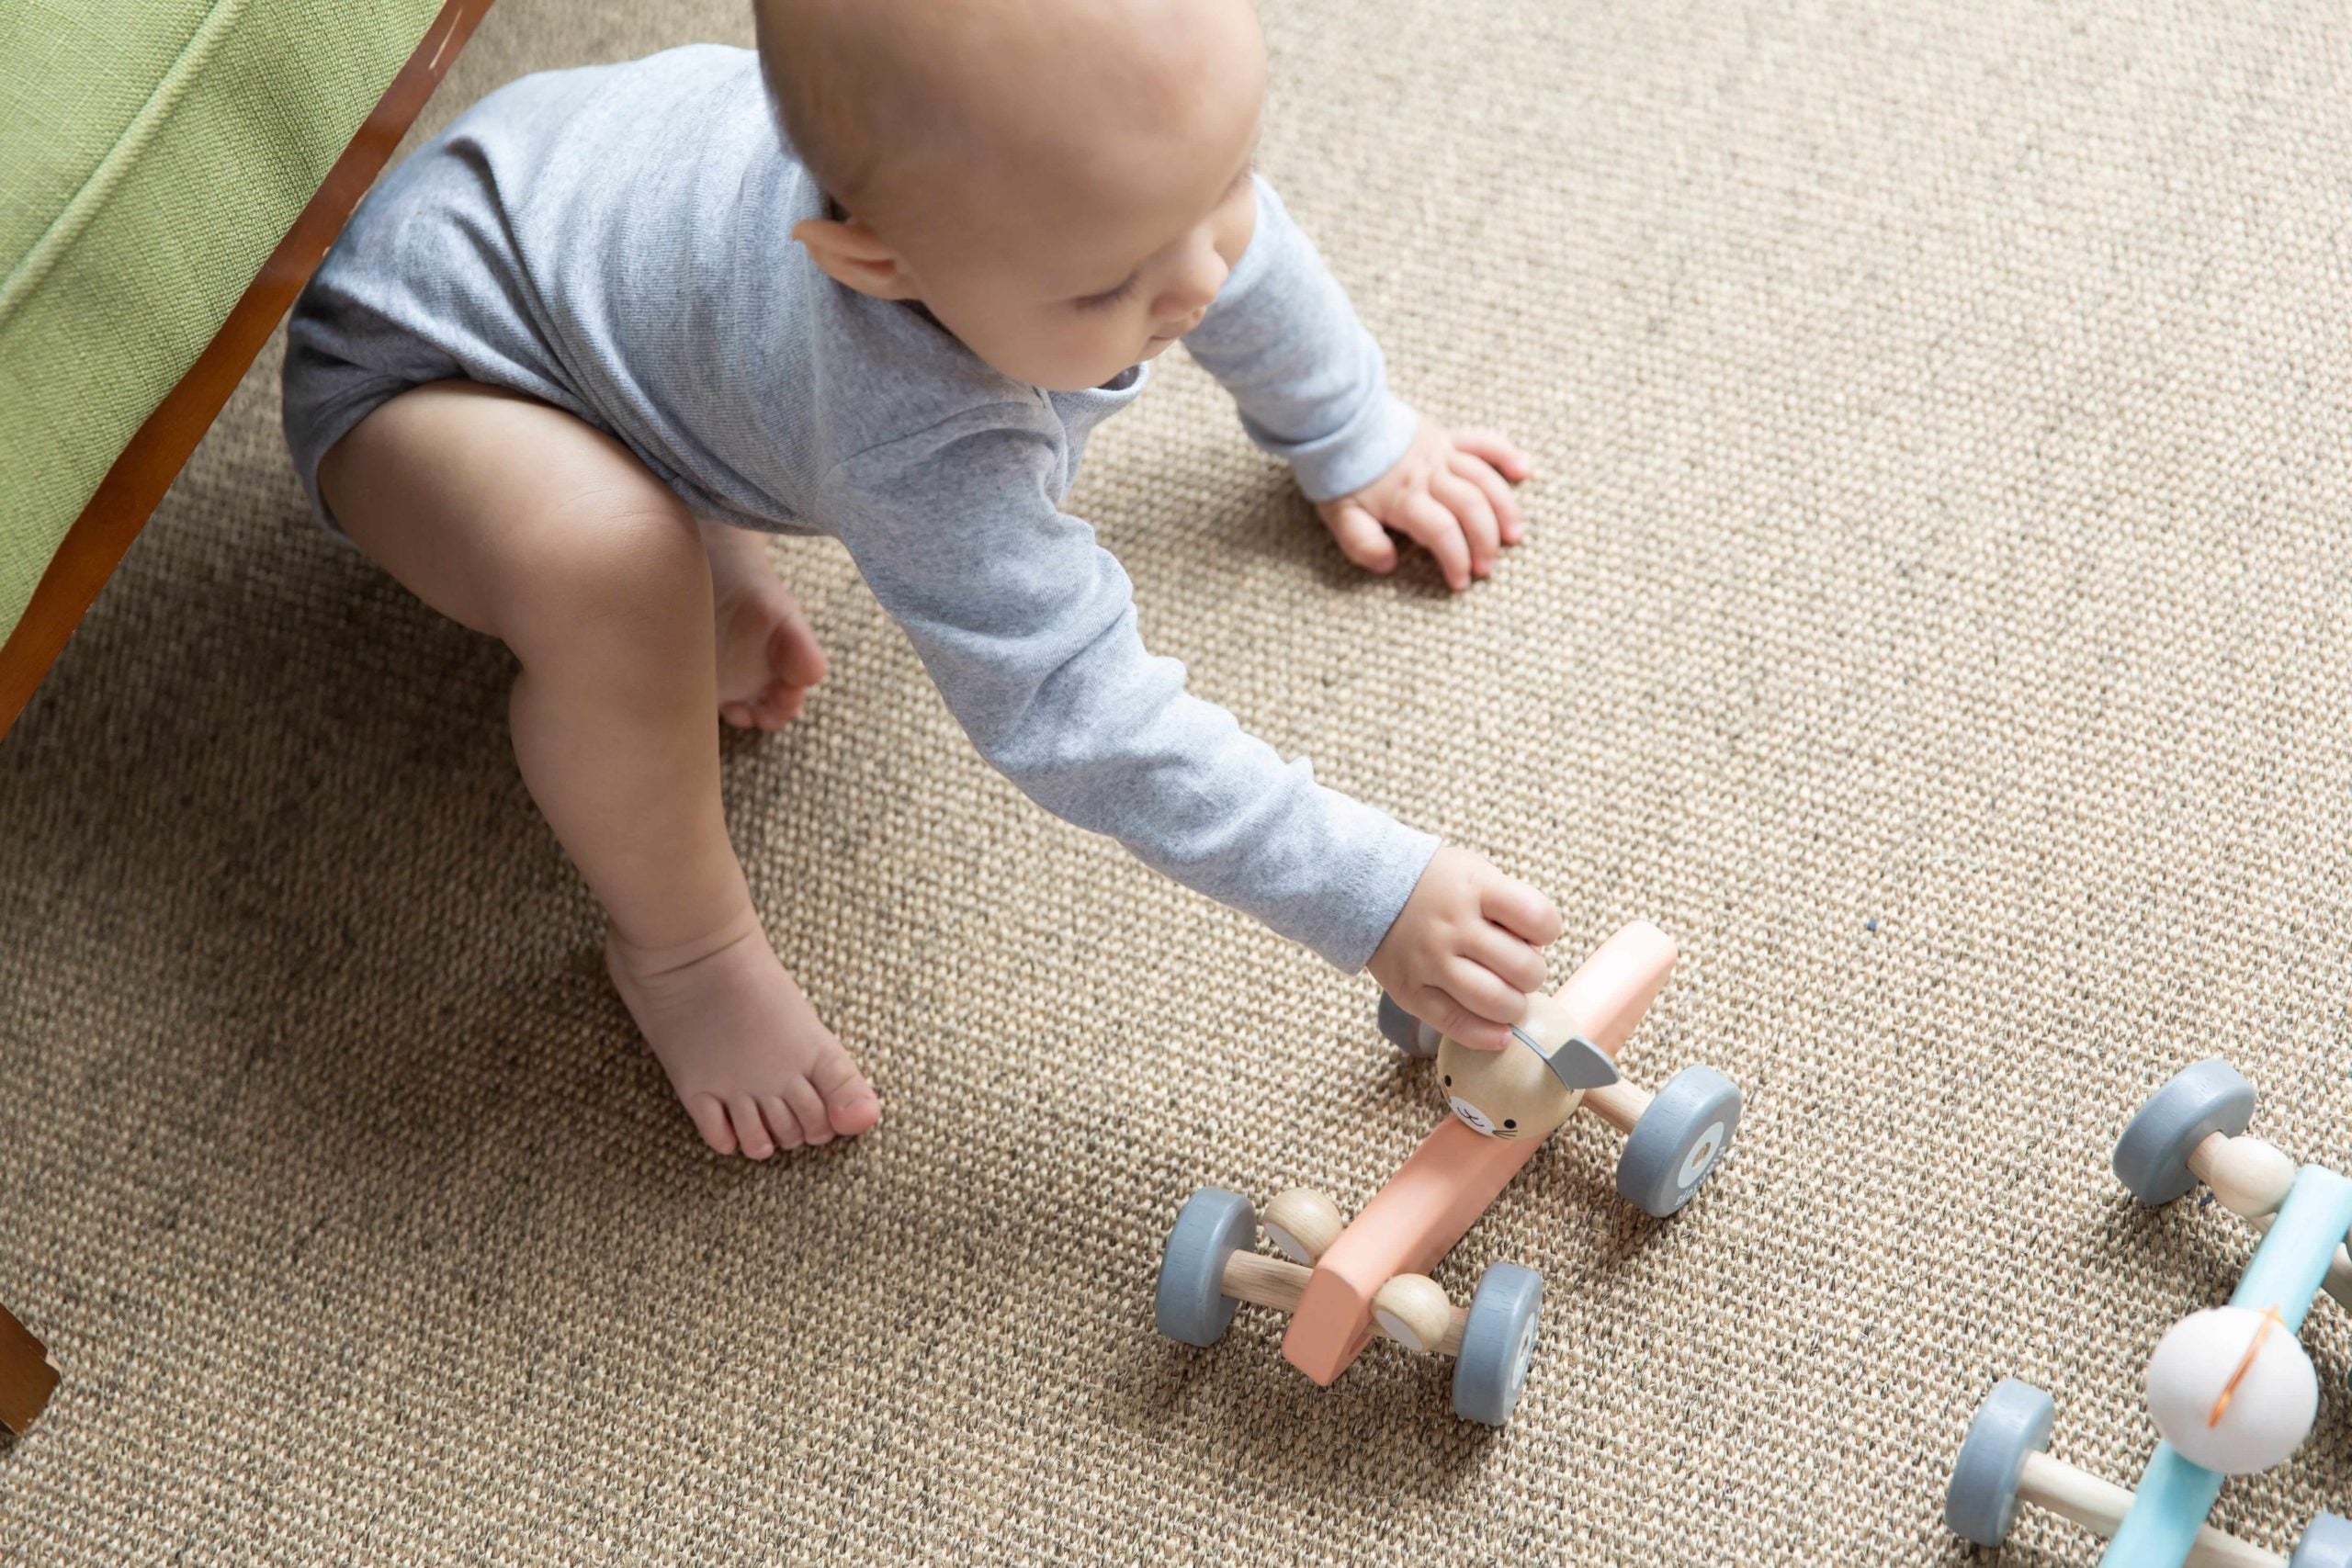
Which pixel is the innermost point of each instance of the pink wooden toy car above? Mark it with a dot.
(1343, 1285)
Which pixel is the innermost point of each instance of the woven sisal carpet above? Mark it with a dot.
(1939, 618)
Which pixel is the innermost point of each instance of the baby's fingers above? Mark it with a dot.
(1425, 521)
(1436, 1006)
(1497, 449)
(1469, 507)
(1521, 966)
(1517, 908)
(1360, 537)
(1479, 471)
(1495, 1000)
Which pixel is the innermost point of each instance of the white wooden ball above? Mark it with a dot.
(1302, 1223)
(2269, 1413)
(1413, 1310)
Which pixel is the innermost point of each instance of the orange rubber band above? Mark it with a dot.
(2245, 1364)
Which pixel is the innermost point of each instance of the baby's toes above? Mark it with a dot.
(851, 1105)
(777, 704)
(783, 1125)
(794, 656)
(751, 1133)
(808, 1108)
(710, 1121)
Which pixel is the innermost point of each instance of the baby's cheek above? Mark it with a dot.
(1088, 352)
(1124, 341)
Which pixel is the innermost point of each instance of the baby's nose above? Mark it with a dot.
(1190, 293)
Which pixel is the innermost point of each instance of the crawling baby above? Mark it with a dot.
(879, 279)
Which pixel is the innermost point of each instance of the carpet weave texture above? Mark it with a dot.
(1937, 615)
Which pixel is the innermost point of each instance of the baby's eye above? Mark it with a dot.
(1104, 301)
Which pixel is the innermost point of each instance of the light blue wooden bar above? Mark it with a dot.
(2175, 1496)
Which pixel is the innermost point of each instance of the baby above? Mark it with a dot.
(878, 280)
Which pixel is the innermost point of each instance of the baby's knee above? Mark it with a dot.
(619, 562)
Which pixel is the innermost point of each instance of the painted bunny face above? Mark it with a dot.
(1508, 1093)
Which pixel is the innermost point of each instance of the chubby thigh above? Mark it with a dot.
(507, 514)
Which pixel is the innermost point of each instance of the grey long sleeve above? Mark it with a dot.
(1310, 383)
(1028, 627)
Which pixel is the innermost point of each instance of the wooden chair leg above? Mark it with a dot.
(28, 1376)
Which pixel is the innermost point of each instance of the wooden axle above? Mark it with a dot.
(1619, 1104)
(1277, 1282)
(2251, 1178)
(2099, 1505)
(1412, 1309)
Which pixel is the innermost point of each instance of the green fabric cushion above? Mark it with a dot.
(152, 152)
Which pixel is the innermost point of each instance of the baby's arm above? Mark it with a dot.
(1313, 390)
(1028, 627)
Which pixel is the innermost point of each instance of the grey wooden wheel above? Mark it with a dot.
(2326, 1543)
(1981, 1504)
(1497, 1343)
(2152, 1158)
(1405, 1032)
(1678, 1140)
(1190, 1304)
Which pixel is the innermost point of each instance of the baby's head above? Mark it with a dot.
(1064, 184)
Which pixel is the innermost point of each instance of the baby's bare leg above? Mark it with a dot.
(520, 521)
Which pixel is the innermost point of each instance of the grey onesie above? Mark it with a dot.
(617, 241)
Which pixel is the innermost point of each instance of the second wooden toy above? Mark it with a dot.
(2229, 1388)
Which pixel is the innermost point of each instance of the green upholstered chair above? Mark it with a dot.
(163, 163)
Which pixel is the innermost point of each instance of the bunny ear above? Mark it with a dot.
(1578, 1064)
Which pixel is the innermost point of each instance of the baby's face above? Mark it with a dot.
(1076, 299)
(1114, 203)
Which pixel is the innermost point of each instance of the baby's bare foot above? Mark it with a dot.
(756, 1067)
(767, 656)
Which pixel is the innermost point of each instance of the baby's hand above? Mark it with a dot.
(1467, 949)
(1448, 493)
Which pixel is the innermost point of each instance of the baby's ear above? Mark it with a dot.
(855, 257)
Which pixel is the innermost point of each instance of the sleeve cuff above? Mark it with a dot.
(1352, 926)
(1357, 453)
